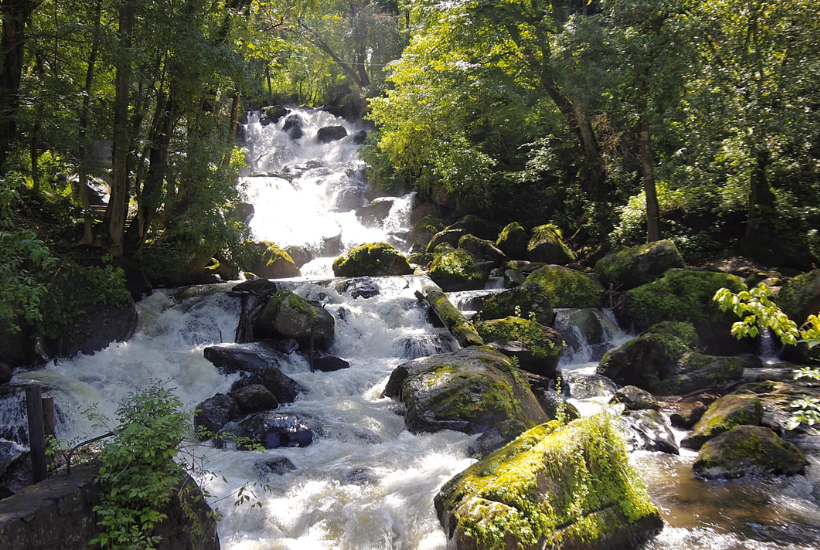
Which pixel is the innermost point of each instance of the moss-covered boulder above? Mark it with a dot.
(686, 295)
(635, 399)
(723, 415)
(474, 225)
(288, 315)
(547, 245)
(638, 266)
(513, 241)
(449, 236)
(748, 450)
(799, 296)
(421, 258)
(271, 262)
(525, 300)
(467, 391)
(371, 260)
(422, 233)
(482, 249)
(567, 287)
(458, 270)
(458, 325)
(563, 488)
(537, 348)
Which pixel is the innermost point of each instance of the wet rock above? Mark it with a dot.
(467, 391)
(723, 415)
(329, 363)
(555, 405)
(271, 262)
(272, 114)
(350, 199)
(293, 126)
(359, 288)
(288, 315)
(647, 431)
(513, 241)
(331, 246)
(638, 266)
(458, 270)
(276, 466)
(360, 476)
(212, 414)
(495, 438)
(482, 249)
(688, 416)
(525, 300)
(248, 358)
(461, 329)
(256, 286)
(498, 502)
(567, 287)
(95, 330)
(359, 137)
(635, 399)
(331, 133)
(586, 328)
(300, 255)
(537, 348)
(372, 260)
(273, 430)
(283, 388)
(253, 398)
(547, 245)
(513, 278)
(749, 450)
(413, 346)
(287, 346)
(374, 214)
(584, 386)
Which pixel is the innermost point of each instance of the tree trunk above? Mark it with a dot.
(16, 15)
(235, 104)
(760, 196)
(117, 206)
(652, 208)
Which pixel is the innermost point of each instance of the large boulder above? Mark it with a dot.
(466, 391)
(537, 348)
(422, 233)
(253, 357)
(458, 270)
(253, 398)
(330, 133)
(547, 245)
(288, 315)
(474, 225)
(449, 236)
(799, 296)
(96, 330)
(568, 488)
(723, 415)
(271, 262)
(638, 266)
(300, 255)
(372, 260)
(281, 386)
(513, 241)
(685, 295)
(635, 399)
(482, 249)
(462, 330)
(567, 287)
(272, 430)
(748, 450)
(293, 126)
(526, 300)
(213, 414)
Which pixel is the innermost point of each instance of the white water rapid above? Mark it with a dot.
(366, 482)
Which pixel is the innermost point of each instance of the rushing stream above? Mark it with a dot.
(366, 482)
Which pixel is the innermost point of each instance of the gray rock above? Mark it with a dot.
(212, 414)
(273, 430)
(254, 398)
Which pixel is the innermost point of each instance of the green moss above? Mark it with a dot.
(274, 253)
(457, 270)
(510, 231)
(531, 334)
(544, 481)
(527, 299)
(373, 259)
(429, 224)
(463, 330)
(294, 301)
(639, 265)
(567, 287)
(547, 244)
(798, 294)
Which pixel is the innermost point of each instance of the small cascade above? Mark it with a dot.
(469, 302)
(588, 334)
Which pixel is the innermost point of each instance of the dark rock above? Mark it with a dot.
(583, 386)
(525, 300)
(272, 114)
(271, 261)
(749, 450)
(495, 438)
(474, 225)
(374, 214)
(688, 416)
(288, 315)
(468, 391)
(722, 415)
(253, 398)
(331, 246)
(555, 405)
(15, 346)
(647, 431)
(363, 287)
(635, 399)
(458, 270)
(287, 345)
(137, 282)
(423, 232)
(300, 255)
(256, 286)
(277, 466)
(96, 330)
(448, 236)
(537, 348)
(513, 241)
(248, 358)
(242, 213)
(283, 388)
(274, 430)
(547, 245)
(586, 330)
(329, 363)
(5, 373)
(350, 199)
(359, 137)
(428, 208)
(331, 133)
(638, 266)
(372, 260)
(212, 414)
(293, 126)
(482, 249)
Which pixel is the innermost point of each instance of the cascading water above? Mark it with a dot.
(365, 481)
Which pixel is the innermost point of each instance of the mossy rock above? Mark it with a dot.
(537, 348)
(300, 255)
(639, 265)
(449, 236)
(635, 399)
(467, 391)
(423, 231)
(458, 270)
(288, 315)
(458, 325)
(749, 450)
(547, 245)
(420, 258)
(513, 241)
(723, 415)
(799, 296)
(482, 249)
(553, 487)
(567, 287)
(474, 225)
(372, 260)
(271, 262)
(525, 300)
(686, 295)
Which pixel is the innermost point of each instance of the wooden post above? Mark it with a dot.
(36, 433)
(48, 416)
